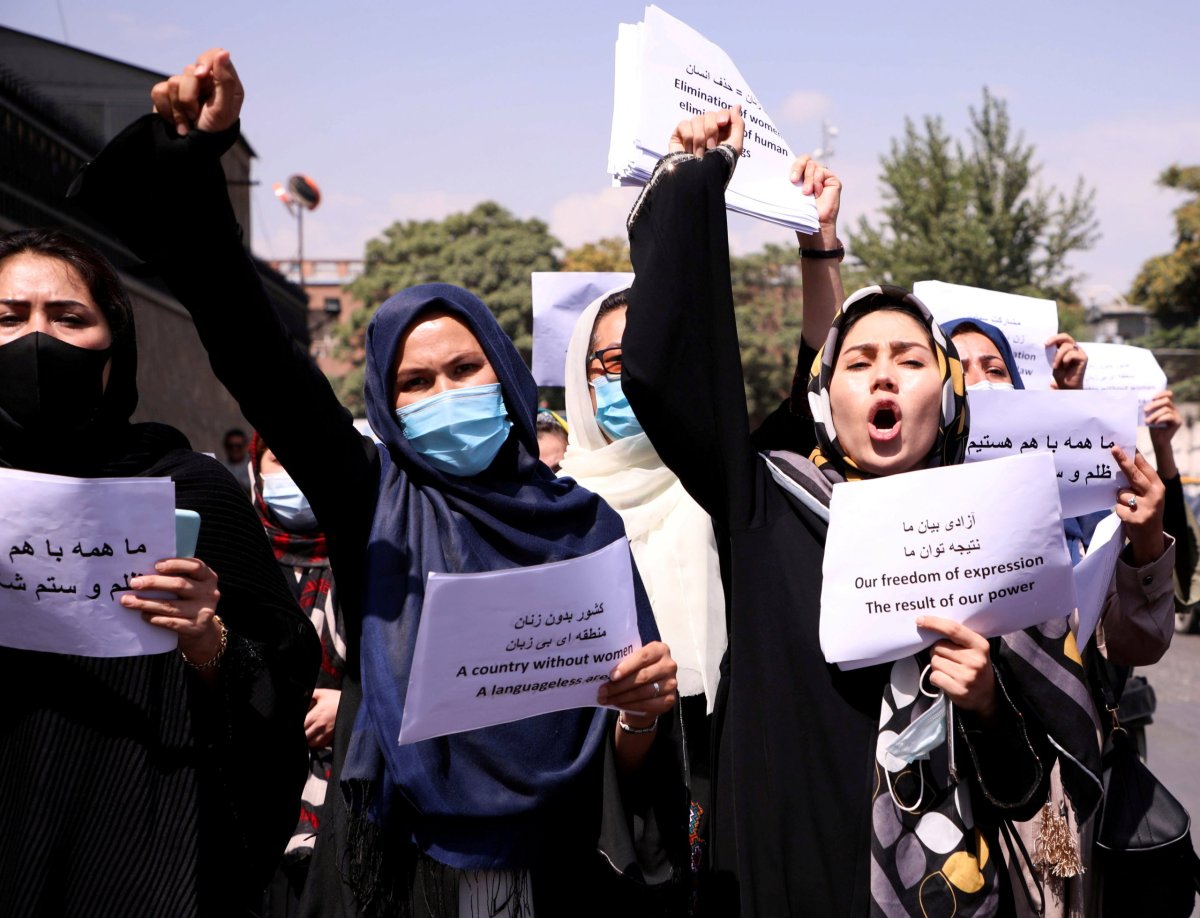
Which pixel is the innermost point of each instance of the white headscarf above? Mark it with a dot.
(671, 536)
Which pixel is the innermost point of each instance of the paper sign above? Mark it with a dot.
(667, 72)
(1123, 366)
(980, 544)
(1094, 574)
(1078, 427)
(1027, 322)
(68, 548)
(558, 299)
(504, 645)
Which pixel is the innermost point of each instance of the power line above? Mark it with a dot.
(62, 18)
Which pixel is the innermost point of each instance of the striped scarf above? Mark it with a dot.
(306, 568)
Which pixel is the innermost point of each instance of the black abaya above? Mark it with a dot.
(130, 786)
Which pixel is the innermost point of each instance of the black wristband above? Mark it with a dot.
(839, 253)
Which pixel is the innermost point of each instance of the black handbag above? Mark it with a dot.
(1144, 858)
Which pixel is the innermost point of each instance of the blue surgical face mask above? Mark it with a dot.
(923, 735)
(613, 413)
(458, 431)
(988, 384)
(287, 502)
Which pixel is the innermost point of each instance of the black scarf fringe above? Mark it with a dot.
(391, 877)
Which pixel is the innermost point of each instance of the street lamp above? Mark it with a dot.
(301, 194)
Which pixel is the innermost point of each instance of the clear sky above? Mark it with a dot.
(404, 110)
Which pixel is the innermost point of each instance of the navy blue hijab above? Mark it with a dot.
(473, 800)
(994, 335)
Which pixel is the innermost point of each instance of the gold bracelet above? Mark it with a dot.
(216, 657)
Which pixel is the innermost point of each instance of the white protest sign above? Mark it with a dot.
(68, 548)
(1094, 574)
(1123, 366)
(500, 646)
(980, 544)
(1079, 427)
(558, 299)
(1027, 322)
(667, 72)
(624, 163)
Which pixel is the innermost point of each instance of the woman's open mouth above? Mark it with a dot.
(883, 423)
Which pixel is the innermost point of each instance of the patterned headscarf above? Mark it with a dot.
(304, 549)
(305, 562)
(949, 447)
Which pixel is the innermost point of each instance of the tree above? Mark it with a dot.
(487, 250)
(769, 309)
(974, 215)
(1169, 285)
(611, 254)
(1072, 319)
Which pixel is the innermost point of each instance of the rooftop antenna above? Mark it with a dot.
(829, 133)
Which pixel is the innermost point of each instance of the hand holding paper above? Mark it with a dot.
(663, 69)
(186, 603)
(961, 665)
(705, 132)
(826, 188)
(1069, 364)
(1163, 419)
(642, 683)
(1140, 507)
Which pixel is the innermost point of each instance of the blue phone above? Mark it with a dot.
(187, 531)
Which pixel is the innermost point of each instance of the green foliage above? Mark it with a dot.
(611, 254)
(487, 250)
(491, 253)
(1072, 319)
(973, 215)
(1186, 390)
(1179, 336)
(1169, 285)
(768, 305)
(1178, 351)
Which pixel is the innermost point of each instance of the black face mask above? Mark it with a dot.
(47, 385)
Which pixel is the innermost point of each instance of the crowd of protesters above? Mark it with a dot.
(726, 768)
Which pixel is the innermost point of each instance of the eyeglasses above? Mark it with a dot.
(610, 359)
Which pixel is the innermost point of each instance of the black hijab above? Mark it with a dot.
(105, 443)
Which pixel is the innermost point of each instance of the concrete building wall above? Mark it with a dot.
(58, 105)
(176, 385)
(102, 96)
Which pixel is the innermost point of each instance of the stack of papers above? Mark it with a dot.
(667, 72)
